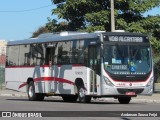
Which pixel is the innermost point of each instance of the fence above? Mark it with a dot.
(2, 76)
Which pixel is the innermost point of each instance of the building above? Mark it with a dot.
(3, 44)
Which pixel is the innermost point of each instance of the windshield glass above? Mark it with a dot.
(127, 59)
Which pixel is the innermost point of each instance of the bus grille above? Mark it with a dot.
(129, 79)
(123, 91)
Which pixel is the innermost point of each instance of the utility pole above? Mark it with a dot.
(112, 16)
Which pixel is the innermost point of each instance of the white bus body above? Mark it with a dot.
(81, 66)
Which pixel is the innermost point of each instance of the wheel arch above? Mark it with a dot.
(81, 86)
(79, 82)
(29, 80)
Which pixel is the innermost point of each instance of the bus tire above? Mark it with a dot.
(82, 95)
(124, 100)
(70, 98)
(32, 96)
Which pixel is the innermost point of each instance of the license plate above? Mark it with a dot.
(130, 93)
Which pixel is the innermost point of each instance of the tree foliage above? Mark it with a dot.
(39, 31)
(51, 26)
(91, 15)
(54, 26)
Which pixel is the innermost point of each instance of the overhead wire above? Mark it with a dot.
(26, 10)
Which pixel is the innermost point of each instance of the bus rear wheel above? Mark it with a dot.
(32, 96)
(83, 98)
(124, 100)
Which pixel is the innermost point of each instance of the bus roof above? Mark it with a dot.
(50, 37)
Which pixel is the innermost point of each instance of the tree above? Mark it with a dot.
(91, 15)
(52, 26)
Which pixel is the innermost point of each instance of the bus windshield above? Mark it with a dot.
(127, 59)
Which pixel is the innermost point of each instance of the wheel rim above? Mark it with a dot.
(30, 91)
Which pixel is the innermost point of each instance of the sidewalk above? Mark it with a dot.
(155, 98)
(12, 93)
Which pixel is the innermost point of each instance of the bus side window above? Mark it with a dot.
(27, 59)
(50, 54)
(25, 54)
(37, 54)
(13, 56)
(47, 56)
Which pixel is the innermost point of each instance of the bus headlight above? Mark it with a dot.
(107, 81)
(150, 82)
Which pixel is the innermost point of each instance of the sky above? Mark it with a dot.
(20, 25)
(16, 25)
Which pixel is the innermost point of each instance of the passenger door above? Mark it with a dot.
(92, 63)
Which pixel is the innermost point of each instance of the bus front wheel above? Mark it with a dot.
(31, 93)
(124, 100)
(82, 95)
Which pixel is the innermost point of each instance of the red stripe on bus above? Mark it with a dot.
(22, 85)
(54, 79)
(20, 66)
(49, 79)
(73, 65)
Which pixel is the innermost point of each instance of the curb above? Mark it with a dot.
(145, 101)
(12, 95)
(133, 100)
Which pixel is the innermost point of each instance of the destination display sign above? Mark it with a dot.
(131, 39)
(125, 39)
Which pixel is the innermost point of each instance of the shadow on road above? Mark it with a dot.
(15, 99)
(61, 101)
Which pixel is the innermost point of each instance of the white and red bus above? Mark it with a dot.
(81, 66)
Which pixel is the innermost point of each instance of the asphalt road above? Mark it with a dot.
(21, 104)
